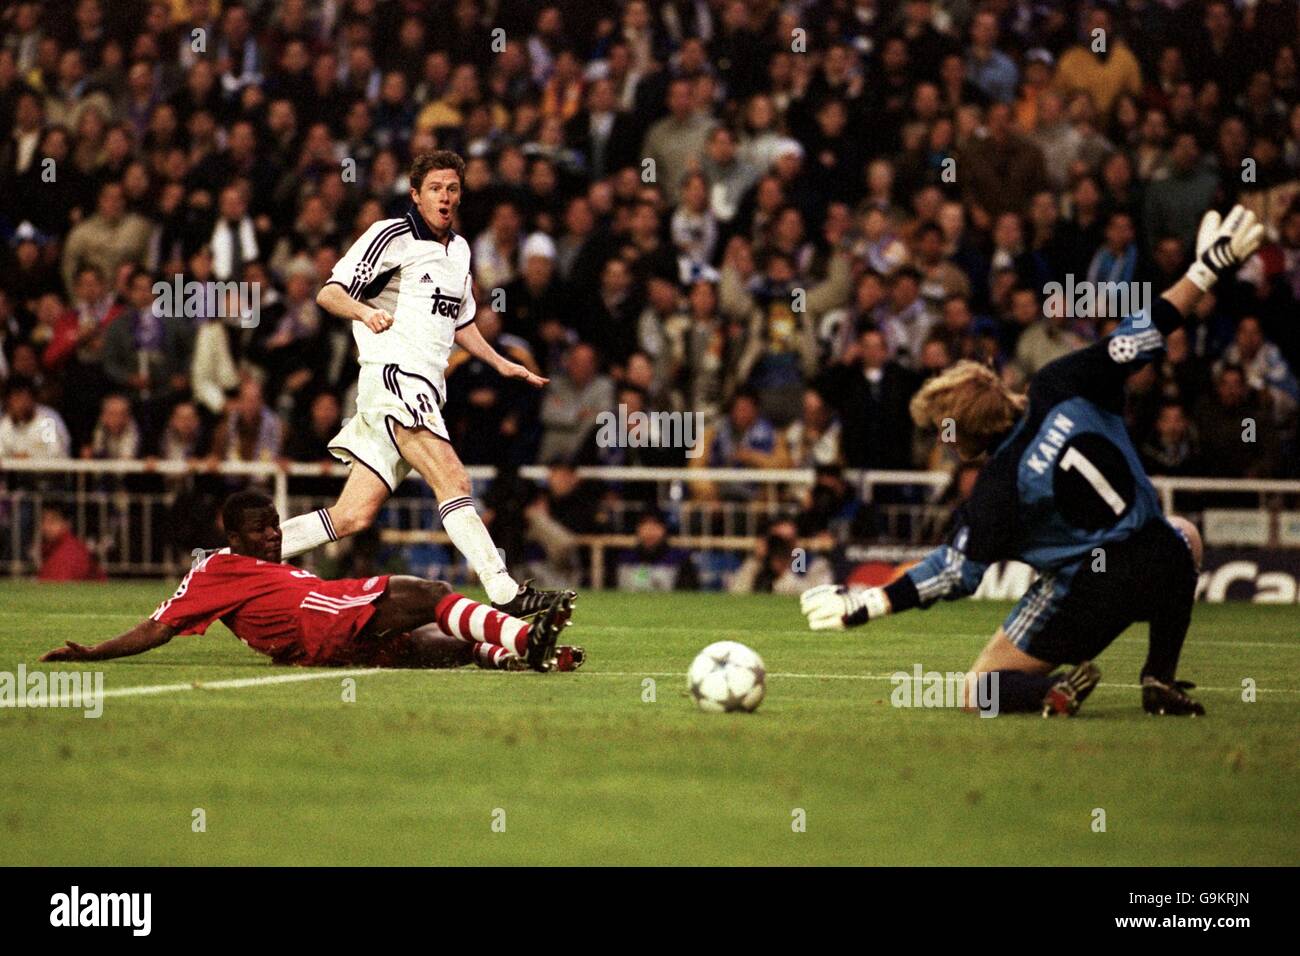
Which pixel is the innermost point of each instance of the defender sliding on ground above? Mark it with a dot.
(1063, 491)
(294, 617)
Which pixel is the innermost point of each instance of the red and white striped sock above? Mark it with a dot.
(470, 621)
(494, 657)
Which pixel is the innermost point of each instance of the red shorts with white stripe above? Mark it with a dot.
(331, 618)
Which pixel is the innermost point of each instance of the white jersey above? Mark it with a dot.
(397, 265)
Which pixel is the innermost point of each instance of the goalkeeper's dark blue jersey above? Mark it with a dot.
(1067, 479)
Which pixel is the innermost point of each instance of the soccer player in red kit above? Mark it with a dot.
(294, 617)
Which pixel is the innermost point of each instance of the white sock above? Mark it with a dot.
(471, 538)
(306, 532)
(492, 656)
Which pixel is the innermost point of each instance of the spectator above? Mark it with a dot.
(568, 507)
(1175, 203)
(1056, 136)
(116, 436)
(694, 228)
(701, 353)
(841, 328)
(1102, 66)
(610, 321)
(728, 174)
(1116, 260)
(291, 344)
(537, 302)
(571, 403)
(310, 442)
(77, 335)
(1039, 66)
(956, 328)
(12, 333)
(988, 67)
(492, 420)
(779, 566)
(870, 392)
(496, 251)
(233, 240)
(107, 239)
(28, 429)
(677, 139)
(1048, 338)
(813, 440)
(939, 278)
(1266, 369)
(1002, 169)
(602, 132)
(579, 248)
(653, 564)
(905, 318)
(780, 348)
(182, 439)
(64, 556)
(76, 349)
(1171, 448)
(742, 439)
(249, 431)
(147, 355)
(1238, 438)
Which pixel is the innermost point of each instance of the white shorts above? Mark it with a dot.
(388, 396)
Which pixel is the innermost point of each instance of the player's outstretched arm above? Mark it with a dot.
(145, 636)
(1222, 245)
(1101, 370)
(471, 340)
(945, 574)
(833, 607)
(333, 298)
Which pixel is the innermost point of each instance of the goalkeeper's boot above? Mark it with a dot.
(1069, 692)
(1168, 700)
(530, 601)
(546, 628)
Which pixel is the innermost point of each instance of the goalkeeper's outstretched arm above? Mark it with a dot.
(945, 574)
(1100, 371)
(1222, 245)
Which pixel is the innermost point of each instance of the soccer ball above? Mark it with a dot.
(727, 676)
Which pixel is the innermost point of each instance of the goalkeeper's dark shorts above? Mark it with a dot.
(1067, 618)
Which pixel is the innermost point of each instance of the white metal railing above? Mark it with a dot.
(118, 507)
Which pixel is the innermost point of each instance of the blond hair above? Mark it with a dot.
(973, 398)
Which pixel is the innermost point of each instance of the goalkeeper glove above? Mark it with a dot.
(1223, 245)
(833, 607)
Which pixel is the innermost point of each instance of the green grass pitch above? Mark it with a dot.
(582, 770)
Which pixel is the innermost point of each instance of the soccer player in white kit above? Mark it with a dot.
(405, 285)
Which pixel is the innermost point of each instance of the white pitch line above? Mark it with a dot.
(239, 682)
(328, 673)
(149, 689)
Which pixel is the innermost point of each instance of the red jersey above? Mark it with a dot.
(276, 609)
(68, 559)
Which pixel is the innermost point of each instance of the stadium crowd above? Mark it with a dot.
(782, 215)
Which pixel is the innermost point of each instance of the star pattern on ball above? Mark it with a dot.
(732, 701)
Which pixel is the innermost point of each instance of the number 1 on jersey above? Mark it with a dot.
(1073, 460)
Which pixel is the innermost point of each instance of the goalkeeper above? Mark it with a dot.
(1062, 490)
